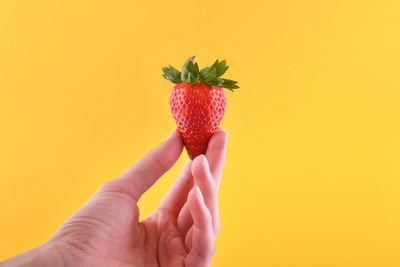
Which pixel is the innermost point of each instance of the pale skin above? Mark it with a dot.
(106, 231)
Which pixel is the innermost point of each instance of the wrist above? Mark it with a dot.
(42, 256)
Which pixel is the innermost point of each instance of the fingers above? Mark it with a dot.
(177, 194)
(144, 173)
(202, 178)
(216, 154)
(203, 246)
(216, 158)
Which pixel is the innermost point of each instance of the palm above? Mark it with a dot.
(106, 231)
(113, 235)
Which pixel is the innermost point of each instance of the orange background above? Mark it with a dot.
(312, 171)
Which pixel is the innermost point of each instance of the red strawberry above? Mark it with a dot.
(198, 102)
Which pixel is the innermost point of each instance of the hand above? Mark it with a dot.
(106, 231)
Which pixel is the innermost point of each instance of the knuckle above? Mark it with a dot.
(107, 186)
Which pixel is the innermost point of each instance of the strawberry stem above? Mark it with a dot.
(192, 75)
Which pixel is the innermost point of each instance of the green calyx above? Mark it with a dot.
(191, 74)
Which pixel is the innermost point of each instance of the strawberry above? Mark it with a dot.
(198, 102)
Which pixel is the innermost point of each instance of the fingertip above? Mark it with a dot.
(198, 208)
(222, 131)
(199, 194)
(174, 142)
(175, 135)
(218, 140)
(199, 160)
(200, 166)
(196, 199)
(217, 146)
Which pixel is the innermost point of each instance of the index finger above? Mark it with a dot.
(145, 172)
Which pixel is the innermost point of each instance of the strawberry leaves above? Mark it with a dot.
(190, 72)
(220, 67)
(208, 74)
(172, 74)
(192, 75)
(211, 75)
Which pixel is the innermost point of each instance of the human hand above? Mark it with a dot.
(106, 231)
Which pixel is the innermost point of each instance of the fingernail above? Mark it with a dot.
(198, 192)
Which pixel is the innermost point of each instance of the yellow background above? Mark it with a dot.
(312, 172)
